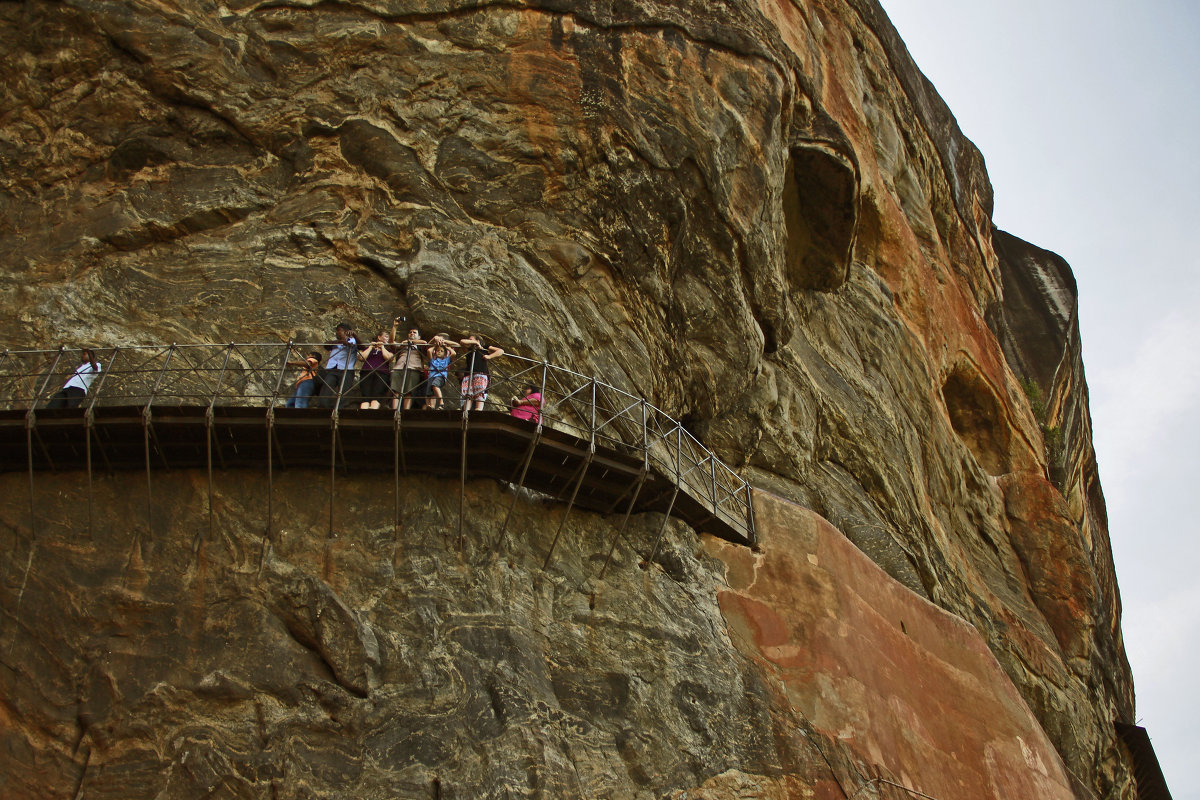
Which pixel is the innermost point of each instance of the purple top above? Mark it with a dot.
(375, 361)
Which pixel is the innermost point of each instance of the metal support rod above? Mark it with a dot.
(592, 421)
(670, 506)
(221, 375)
(89, 429)
(29, 462)
(712, 469)
(469, 400)
(574, 492)
(30, 423)
(399, 422)
(582, 474)
(162, 373)
(542, 390)
(149, 483)
(146, 424)
(663, 529)
(211, 417)
(333, 451)
(752, 535)
(462, 472)
(525, 462)
(95, 393)
(396, 445)
(287, 351)
(208, 448)
(262, 550)
(334, 419)
(88, 420)
(645, 436)
(641, 481)
(271, 445)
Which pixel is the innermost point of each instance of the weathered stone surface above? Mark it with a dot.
(890, 676)
(757, 214)
(377, 663)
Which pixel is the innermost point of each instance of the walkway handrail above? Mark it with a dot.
(258, 374)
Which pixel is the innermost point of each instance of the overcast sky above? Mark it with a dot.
(1088, 115)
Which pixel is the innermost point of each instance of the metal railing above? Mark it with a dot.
(262, 375)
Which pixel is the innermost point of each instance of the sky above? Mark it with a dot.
(1087, 114)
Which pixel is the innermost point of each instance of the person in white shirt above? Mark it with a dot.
(338, 375)
(76, 387)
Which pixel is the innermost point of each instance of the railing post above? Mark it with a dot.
(3, 358)
(753, 534)
(470, 393)
(49, 374)
(712, 468)
(542, 390)
(592, 424)
(95, 394)
(162, 373)
(287, 351)
(403, 378)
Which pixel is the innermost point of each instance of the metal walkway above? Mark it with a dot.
(221, 407)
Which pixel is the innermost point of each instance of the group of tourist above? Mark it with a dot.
(393, 372)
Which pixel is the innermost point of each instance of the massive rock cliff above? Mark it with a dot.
(758, 215)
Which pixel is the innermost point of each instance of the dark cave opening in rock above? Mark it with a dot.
(820, 210)
(975, 414)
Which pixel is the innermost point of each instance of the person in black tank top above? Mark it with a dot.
(476, 372)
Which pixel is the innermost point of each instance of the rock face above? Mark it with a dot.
(758, 215)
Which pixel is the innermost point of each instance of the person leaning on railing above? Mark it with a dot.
(440, 353)
(306, 384)
(475, 369)
(337, 377)
(76, 387)
(409, 367)
(528, 405)
(373, 384)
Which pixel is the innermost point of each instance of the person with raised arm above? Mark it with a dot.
(337, 377)
(306, 385)
(408, 369)
(440, 354)
(373, 383)
(476, 373)
(76, 387)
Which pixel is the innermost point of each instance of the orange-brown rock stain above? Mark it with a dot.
(910, 688)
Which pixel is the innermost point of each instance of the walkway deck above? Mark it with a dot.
(445, 443)
(220, 406)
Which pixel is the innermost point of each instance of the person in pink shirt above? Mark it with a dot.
(528, 405)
